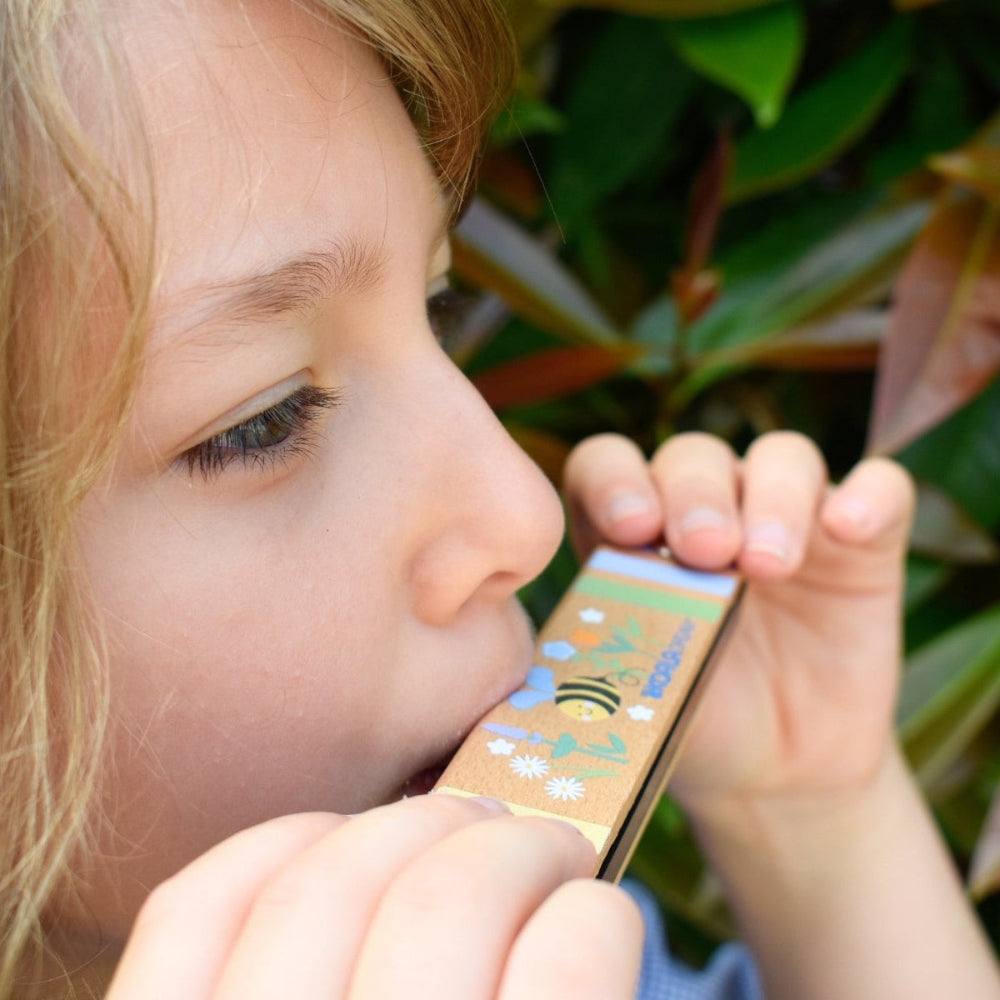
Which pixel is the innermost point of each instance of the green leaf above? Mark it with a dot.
(623, 102)
(848, 268)
(824, 120)
(806, 314)
(524, 116)
(962, 457)
(490, 251)
(755, 54)
(669, 861)
(950, 690)
(847, 341)
(924, 579)
(942, 529)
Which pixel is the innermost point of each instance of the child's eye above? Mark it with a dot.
(270, 436)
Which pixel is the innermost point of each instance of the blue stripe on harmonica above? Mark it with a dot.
(661, 572)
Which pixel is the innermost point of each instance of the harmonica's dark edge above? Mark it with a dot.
(623, 846)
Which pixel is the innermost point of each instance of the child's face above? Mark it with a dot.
(312, 623)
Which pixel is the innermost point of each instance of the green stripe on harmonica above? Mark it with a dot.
(645, 597)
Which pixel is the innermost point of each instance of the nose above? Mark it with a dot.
(492, 520)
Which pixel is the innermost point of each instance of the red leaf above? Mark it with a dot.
(694, 292)
(550, 374)
(984, 871)
(694, 286)
(943, 341)
(706, 205)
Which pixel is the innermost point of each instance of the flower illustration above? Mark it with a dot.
(565, 789)
(514, 732)
(559, 650)
(641, 713)
(504, 747)
(529, 766)
(591, 616)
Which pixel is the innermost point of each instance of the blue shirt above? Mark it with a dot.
(731, 975)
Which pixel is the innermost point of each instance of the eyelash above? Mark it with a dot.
(271, 436)
(287, 428)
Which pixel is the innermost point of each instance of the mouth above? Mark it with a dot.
(423, 781)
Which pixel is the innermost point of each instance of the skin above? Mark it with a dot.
(249, 680)
(302, 636)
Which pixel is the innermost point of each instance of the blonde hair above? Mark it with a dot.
(76, 261)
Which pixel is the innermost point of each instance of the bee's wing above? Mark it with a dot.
(539, 686)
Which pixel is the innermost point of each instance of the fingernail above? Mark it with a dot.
(770, 538)
(494, 805)
(566, 824)
(853, 509)
(702, 517)
(627, 505)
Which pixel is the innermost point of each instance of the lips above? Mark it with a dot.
(423, 781)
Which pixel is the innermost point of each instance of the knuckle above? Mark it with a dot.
(289, 887)
(435, 885)
(164, 903)
(453, 810)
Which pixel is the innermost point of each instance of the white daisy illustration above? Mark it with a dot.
(499, 746)
(591, 616)
(529, 766)
(641, 713)
(565, 789)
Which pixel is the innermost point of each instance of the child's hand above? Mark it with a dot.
(802, 703)
(429, 897)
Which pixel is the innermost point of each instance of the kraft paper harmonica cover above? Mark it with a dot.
(597, 720)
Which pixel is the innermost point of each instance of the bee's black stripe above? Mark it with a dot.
(595, 690)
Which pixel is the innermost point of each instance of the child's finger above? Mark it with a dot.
(698, 478)
(188, 925)
(305, 930)
(610, 493)
(584, 942)
(784, 481)
(873, 505)
(446, 925)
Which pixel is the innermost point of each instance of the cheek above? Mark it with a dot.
(234, 665)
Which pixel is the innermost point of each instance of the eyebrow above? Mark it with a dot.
(295, 285)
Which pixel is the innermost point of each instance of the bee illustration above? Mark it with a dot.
(587, 699)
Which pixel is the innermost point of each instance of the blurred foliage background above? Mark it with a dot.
(742, 215)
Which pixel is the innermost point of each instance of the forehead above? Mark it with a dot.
(271, 130)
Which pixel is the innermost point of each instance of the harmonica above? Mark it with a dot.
(592, 736)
